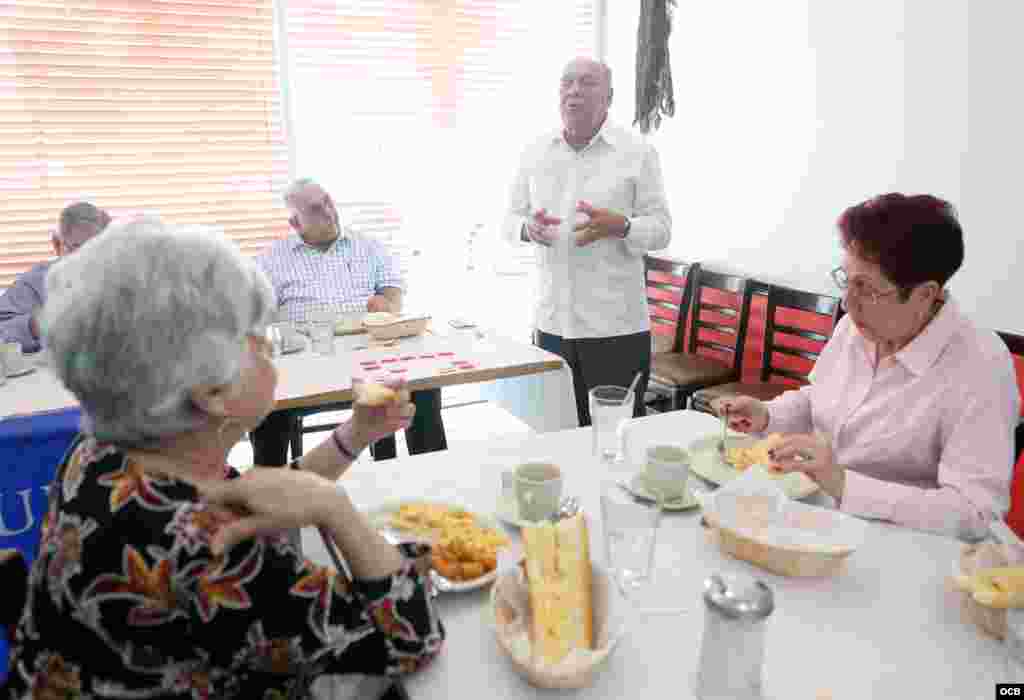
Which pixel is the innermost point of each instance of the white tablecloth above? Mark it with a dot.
(885, 627)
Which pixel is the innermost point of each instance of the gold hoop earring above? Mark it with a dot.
(228, 420)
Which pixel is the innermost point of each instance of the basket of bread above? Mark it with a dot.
(381, 325)
(989, 579)
(554, 612)
(752, 519)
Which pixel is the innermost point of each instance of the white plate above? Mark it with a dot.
(707, 463)
(380, 518)
(22, 372)
(638, 488)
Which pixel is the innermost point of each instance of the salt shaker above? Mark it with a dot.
(732, 649)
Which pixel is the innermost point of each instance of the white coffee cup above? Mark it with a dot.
(666, 470)
(537, 487)
(14, 360)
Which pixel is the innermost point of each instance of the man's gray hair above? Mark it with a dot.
(297, 186)
(81, 213)
(143, 314)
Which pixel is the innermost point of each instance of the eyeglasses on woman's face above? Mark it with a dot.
(860, 287)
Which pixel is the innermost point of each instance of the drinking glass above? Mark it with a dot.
(630, 532)
(321, 331)
(276, 339)
(611, 407)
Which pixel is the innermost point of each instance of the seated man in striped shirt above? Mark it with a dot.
(325, 265)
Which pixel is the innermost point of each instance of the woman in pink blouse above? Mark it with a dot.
(910, 410)
(162, 572)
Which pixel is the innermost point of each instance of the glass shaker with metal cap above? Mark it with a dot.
(732, 649)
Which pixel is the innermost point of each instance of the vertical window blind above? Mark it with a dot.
(413, 113)
(168, 106)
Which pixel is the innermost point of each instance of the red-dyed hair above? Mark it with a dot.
(914, 239)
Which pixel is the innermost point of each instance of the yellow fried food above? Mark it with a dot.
(463, 549)
(996, 587)
(745, 457)
(375, 395)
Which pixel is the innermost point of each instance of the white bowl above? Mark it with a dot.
(508, 614)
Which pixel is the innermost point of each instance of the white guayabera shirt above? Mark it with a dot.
(594, 291)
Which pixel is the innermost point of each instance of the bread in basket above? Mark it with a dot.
(555, 615)
(753, 520)
(385, 326)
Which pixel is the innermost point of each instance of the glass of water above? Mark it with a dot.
(611, 407)
(321, 331)
(630, 532)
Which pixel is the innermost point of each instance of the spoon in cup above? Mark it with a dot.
(725, 429)
(632, 388)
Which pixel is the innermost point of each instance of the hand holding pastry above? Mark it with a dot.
(379, 410)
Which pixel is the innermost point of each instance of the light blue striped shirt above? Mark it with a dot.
(340, 279)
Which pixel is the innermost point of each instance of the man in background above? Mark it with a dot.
(77, 224)
(592, 309)
(324, 265)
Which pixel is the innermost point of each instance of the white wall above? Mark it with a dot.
(787, 112)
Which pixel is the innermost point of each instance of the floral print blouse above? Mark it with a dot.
(127, 600)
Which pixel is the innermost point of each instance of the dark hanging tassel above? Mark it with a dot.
(654, 96)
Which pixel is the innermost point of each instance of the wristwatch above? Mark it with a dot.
(629, 225)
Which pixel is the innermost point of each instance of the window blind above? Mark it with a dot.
(170, 106)
(413, 113)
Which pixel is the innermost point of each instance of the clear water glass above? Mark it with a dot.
(611, 407)
(630, 534)
(276, 339)
(321, 331)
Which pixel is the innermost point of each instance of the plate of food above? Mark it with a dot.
(465, 544)
(741, 453)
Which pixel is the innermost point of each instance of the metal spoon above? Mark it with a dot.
(725, 429)
(567, 508)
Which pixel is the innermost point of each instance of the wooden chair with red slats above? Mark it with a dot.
(797, 326)
(669, 290)
(715, 339)
(1015, 518)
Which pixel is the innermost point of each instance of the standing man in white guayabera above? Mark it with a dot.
(590, 197)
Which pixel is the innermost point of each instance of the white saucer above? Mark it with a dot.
(22, 372)
(638, 488)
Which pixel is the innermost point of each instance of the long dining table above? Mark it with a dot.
(511, 373)
(885, 626)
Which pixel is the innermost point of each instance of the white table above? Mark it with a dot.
(885, 627)
(309, 379)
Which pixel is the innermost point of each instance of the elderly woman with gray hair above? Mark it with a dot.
(162, 572)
